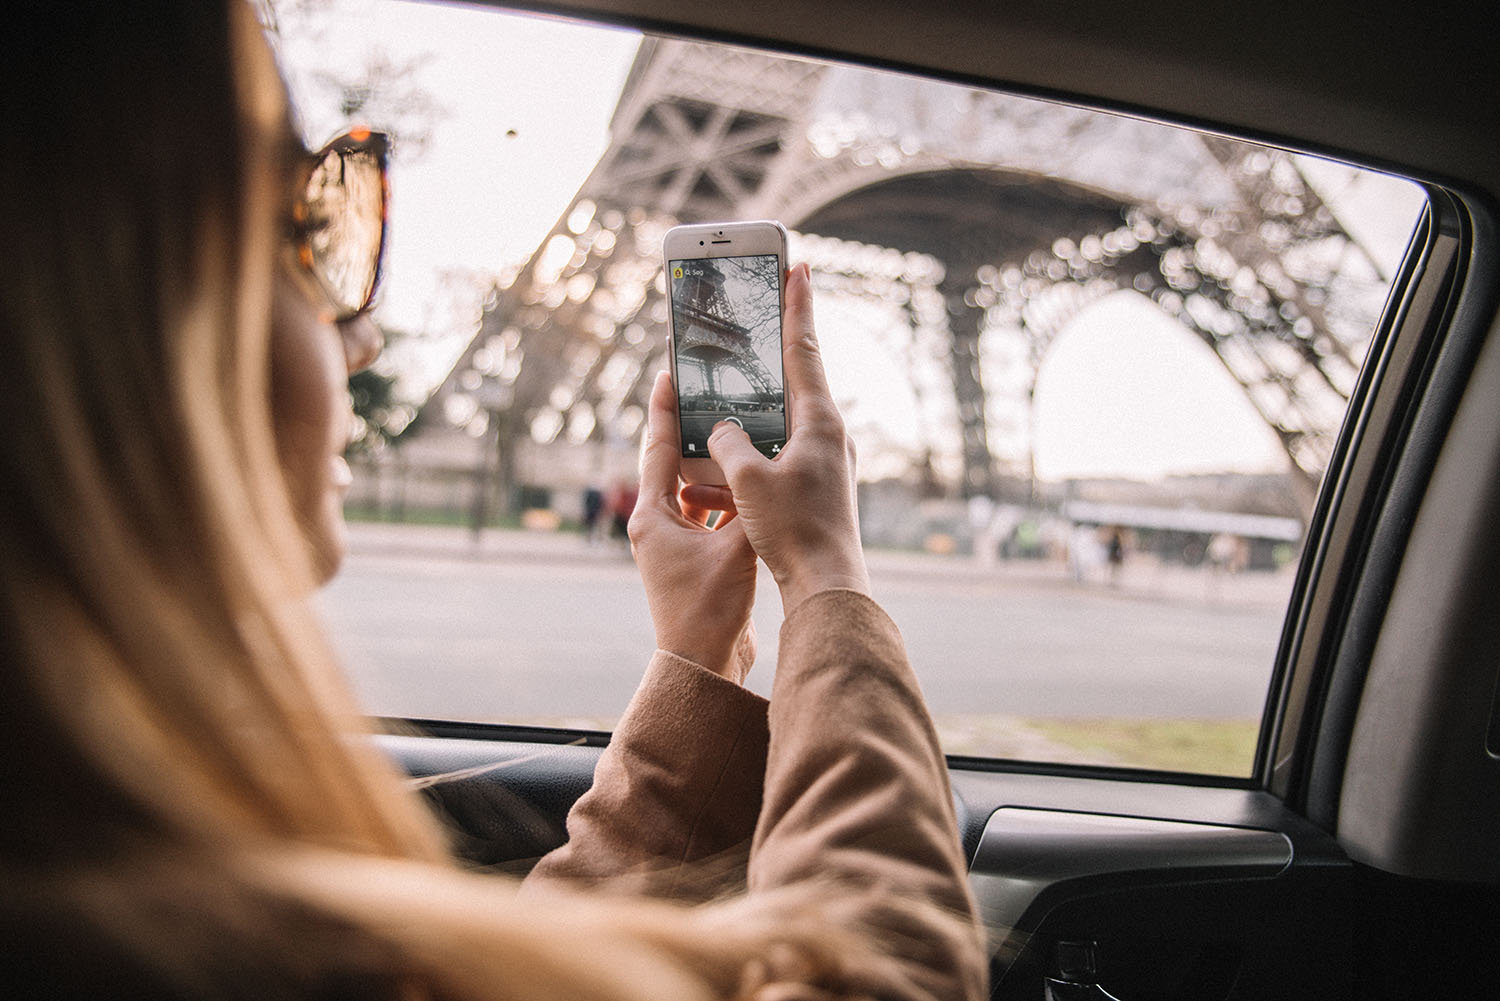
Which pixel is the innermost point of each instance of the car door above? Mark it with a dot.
(1354, 852)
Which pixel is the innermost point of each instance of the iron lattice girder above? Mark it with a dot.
(1219, 274)
(966, 218)
(702, 132)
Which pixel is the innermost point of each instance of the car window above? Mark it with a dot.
(1094, 367)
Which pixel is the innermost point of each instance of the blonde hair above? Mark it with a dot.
(153, 580)
(186, 801)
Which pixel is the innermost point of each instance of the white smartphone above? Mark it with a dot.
(726, 282)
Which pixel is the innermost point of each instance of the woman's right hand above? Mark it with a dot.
(798, 510)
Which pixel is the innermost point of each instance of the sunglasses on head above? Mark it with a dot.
(339, 219)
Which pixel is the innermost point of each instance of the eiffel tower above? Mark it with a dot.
(1016, 213)
(711, 339)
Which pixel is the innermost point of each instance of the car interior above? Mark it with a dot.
(1358, 854)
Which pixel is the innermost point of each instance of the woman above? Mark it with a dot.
(185, 814)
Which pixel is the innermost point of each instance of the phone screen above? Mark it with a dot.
(726, 331)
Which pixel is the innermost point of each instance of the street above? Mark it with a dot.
(543, 628)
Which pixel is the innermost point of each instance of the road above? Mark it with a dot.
(525, 628)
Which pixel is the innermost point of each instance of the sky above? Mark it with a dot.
(1088, 426)
(1153, 402)
(498, 81)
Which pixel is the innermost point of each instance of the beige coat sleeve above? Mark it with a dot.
(857, 796)
(842, 788)
(676, 793)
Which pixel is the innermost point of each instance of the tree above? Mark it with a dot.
(381, 91)
(382, 416)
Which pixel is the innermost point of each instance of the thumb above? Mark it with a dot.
(730, 447)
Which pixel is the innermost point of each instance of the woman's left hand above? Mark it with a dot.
(700, 581)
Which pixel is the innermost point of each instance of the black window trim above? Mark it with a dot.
(1409, 391)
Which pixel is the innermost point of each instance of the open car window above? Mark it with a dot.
(1094, 366)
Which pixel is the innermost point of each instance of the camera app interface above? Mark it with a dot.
(726, 328)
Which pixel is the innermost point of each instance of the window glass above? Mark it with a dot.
(1094, 367)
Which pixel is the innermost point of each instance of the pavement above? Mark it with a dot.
(1141, 576)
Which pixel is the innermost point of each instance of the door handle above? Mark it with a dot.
(1077, 979)
(1067, 990)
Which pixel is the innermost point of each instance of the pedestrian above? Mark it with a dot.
(593, 511)
(1114, 552)
(621, 503)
